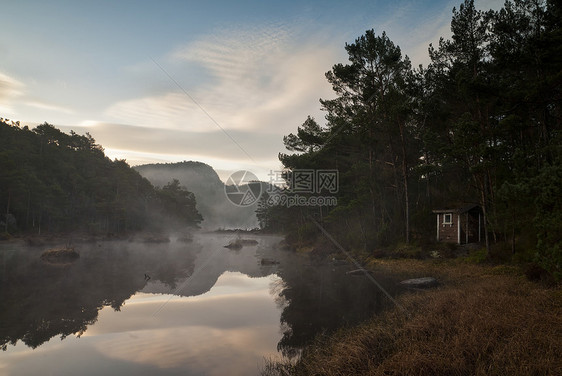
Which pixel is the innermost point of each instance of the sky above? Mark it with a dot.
(219, 82)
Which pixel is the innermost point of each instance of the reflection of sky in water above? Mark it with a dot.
(226, 331)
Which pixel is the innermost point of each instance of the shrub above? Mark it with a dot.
(407, 251)
(478, 256)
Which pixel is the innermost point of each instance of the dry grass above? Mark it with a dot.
(61, 257)
(484, 321)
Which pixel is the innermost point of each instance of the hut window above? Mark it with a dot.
(447, 219)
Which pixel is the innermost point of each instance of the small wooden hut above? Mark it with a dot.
(461, 225)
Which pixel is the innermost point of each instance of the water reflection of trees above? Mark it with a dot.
(40, 301)
(318, 298)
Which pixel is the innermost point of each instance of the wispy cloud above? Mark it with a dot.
(264, 80)
(10, 89)
(49, 107)
(234, 55)
(168, 111)
(14, 97)
(139, 145)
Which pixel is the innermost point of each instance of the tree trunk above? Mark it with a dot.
(7, 212)
(407, 205)
(39, 221)
(371, 168)
(27, 211)
(405, 181)
(363, 232)
(513, 238)
(484, 205)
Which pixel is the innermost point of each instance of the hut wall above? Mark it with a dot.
(448, 232)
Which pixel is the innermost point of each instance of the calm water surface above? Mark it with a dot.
(206, 310)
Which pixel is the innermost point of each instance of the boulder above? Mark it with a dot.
(265, 261)
(359, 272)
(248, 241)
(423, 282)
(60, 255)
(235, 244)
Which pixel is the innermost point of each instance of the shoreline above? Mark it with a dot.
(148, 236)
(482, 319)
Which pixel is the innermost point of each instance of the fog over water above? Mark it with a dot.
(194, 308)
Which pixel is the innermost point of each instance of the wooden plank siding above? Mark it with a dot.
(448, 232)
(465, 226)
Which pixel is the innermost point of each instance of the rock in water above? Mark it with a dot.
(248, 241)
(265, 261)
(60, 255)
(359, 272)
(236, 245)
(420, 282)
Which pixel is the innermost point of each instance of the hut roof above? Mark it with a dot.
(460, 210)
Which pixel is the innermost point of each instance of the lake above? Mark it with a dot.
(197, 308)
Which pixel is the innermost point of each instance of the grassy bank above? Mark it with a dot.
(483, 320)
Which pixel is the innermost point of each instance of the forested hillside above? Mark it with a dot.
(479, 125)
(51, 181)
(209, 191)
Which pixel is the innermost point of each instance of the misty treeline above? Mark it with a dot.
(209, 191)
(51, 181)
(480, 124)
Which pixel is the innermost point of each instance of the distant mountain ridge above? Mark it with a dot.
(209, 190)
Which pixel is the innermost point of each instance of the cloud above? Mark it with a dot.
(206, 341)
(264, 80)
(12, 95)
(49, 107)
(260, 84)
(241, 54)
(170, 141)
(10, 89)
(140, 145)
(168, 111)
